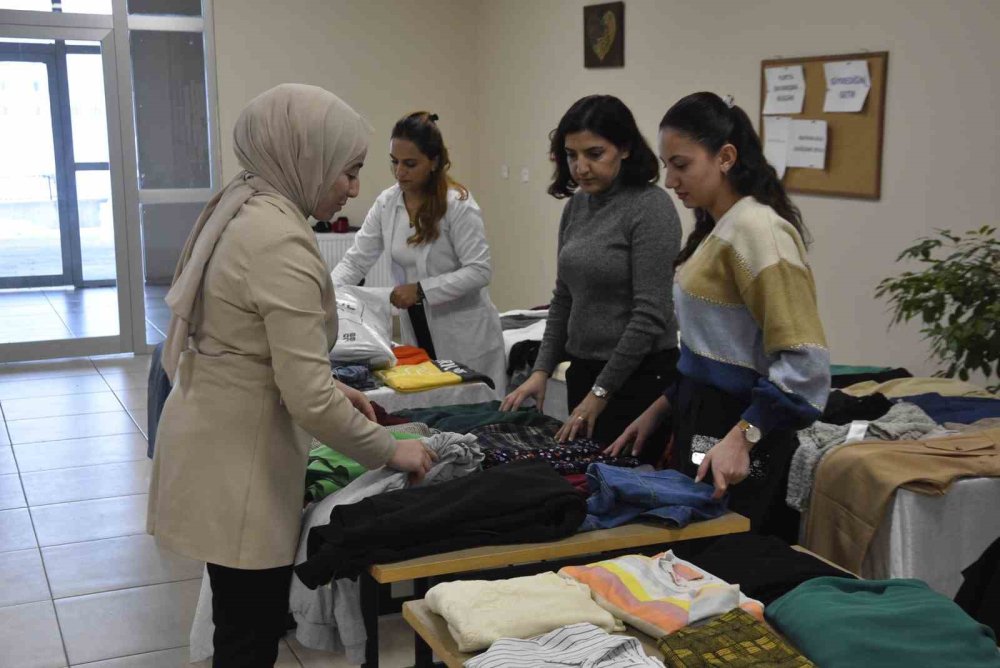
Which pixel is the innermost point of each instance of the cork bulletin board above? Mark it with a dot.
(854, 140)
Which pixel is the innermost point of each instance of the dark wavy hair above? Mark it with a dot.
(421, 128)
(608, 117)
(709, 120)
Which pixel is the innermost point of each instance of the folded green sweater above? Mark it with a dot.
(844, 623)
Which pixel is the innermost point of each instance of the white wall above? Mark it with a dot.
(383, 57)
(502, 72)
(942, 146)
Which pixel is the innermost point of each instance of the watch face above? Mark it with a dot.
(753, 434)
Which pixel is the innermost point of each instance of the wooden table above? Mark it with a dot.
(507, 561)
(432, 629)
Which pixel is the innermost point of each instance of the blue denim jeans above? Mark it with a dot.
(620, 495)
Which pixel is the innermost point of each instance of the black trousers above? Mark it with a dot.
(250, 612)
(641, 389)
(703, 410)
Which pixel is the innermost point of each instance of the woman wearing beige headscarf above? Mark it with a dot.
(253, 318)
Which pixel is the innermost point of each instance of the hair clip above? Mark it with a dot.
(729, 100)
(433, 118)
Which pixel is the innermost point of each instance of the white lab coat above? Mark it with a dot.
(454, 271)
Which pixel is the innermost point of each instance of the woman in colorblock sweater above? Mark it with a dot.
(754, 366)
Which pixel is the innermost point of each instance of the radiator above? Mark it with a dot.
(333, 246)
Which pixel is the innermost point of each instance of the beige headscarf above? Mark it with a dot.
(293, 140)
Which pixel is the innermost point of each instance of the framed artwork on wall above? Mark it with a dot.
(604, 35)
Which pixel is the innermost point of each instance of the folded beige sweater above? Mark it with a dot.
(480, 612)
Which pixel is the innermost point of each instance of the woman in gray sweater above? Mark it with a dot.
(611, 313)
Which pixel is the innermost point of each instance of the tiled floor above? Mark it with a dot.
(80, 581)
(42, 315)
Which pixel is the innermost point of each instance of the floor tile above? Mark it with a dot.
(53, 387)
(70, 426)
(34, 307)
(144, 619)
(167, 658)
(115, 563)
(141, 419)
(11, 495)
(4, 436)
(90, 520)
(395, 644)
(286, 659)
(24, 334)
(50, 320)
(71, 404)
(7, 463)
(20, 371)
(111, 364)
(80, 452)
(29, 636)
(16, 532)
(133, 398)
(42, 488)
(126, 381)
(22, 578)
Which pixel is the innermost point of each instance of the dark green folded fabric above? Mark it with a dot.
(735, 639)
(848, 369)
(843, 623)
(463, 418)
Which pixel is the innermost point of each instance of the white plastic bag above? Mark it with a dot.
(364, 326)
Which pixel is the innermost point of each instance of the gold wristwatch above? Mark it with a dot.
(750, 432)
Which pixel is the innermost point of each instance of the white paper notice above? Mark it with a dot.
(807, 144)
(776, 129)
(847, 85)
(786, 90)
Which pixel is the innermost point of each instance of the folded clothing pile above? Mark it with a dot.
(506, 443)
(662, 594)
(480, 509)
(463, 418)
(583, 645)
(430, 375)
(480, 612)
(843, 623)
(408, 355)
(358, 376)
(735, 639)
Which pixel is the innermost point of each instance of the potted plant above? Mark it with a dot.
(957, 297)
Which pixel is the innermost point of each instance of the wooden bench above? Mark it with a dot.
(506, 561)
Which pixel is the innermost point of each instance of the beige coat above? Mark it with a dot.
(229, 468)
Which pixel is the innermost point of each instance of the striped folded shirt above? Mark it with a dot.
(574, 645)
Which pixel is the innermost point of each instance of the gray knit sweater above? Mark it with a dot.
(903, 422)
(613, 299)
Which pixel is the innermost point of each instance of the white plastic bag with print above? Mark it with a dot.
(364, 327)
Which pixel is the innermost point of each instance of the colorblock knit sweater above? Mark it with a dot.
(746, 306)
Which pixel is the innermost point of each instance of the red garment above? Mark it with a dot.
(410, 355)
(384, 419)
(578, 480)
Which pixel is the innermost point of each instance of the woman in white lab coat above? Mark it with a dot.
(433, 230)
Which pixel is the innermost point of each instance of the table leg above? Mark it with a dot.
(422, 655)
(369, 613)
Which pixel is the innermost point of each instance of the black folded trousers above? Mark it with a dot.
(522, 502)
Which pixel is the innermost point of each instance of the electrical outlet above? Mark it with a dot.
(525, 175)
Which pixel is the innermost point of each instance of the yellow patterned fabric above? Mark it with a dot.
(734, 640)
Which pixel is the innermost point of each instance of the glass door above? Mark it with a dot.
(63, 236)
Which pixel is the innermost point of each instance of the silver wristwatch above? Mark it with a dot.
(599, 392)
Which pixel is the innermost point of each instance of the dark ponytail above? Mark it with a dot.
(709, 120)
